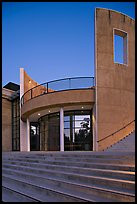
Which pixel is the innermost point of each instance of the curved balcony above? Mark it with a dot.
(67, 92)
(74, 83)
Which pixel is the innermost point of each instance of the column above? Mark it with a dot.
(61, 129)
(23, 125)
(94, 125)
(23, 131)
(28, 135)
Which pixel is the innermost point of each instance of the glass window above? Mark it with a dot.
(67, 124)
(120, 46)
(77, 131)
(16, 124)
(50, 132)
(66, 118)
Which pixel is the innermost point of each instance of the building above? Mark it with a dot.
(87, 113)
(11, 117)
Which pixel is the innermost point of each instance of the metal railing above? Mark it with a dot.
(114, 133)
(58, 85)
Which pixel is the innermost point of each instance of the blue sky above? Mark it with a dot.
(51, 40)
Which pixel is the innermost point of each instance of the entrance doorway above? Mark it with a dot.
(34, 136)
(78, 131)
(78, 134)
(50, 132)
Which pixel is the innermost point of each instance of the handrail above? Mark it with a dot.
(55, 85)
(115, 132)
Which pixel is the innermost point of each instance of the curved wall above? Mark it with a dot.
(29, 83)
(57, 99)
(115, 82)
(44, 103)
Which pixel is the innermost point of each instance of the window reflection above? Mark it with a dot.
(77, 130)
(33, 130)
(50, 132)
(16, 124)
(34, 136)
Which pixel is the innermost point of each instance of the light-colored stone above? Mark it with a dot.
(115, 83)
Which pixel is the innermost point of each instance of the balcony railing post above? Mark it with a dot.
(69, 83)
(47, 87)
(31, 93)
(93, 81)
(21, 101)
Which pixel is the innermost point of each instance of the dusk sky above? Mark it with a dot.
(51, 40)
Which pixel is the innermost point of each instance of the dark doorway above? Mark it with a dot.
(34, 136)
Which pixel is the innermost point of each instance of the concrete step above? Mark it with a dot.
(90, 193)
(72, 155)
(10, 195)
(125, 175)
(68, 177)
(127, 160)
(40, 194)
(99, 160)
(85, 179)
(69, 164)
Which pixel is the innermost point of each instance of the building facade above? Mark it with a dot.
(11, 117)
(81, 113)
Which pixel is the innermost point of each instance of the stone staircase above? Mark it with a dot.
(68, 177)
(126, 144)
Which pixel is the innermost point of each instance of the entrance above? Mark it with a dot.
(50, 132)
(78, 131)
(34, 136)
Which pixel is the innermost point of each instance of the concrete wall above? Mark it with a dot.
(115, 82)
(6, 120)
(29, 83)
(58, 99)
(26, 83)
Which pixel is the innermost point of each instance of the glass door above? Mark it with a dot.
(34, 137)
(78, 131)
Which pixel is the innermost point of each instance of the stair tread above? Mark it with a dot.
(71, 193)
(80, 183)
(70, 177)
(31, 199)
(74, 162)
(72, 167)
(71, 182)
(59, 171)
